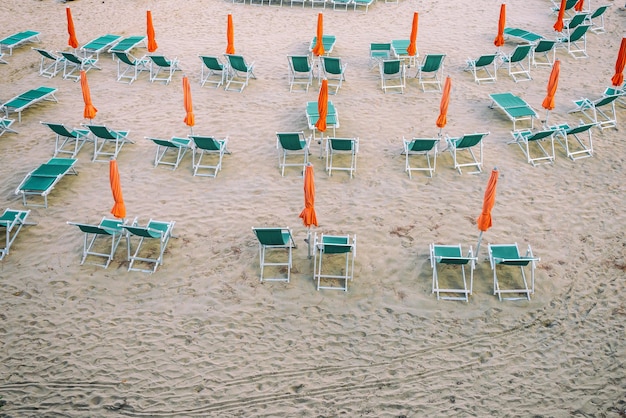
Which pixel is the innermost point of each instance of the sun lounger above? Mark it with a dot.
(106, 229)
(12, 221)
(126, 44)
(327, 40)
(17, 39)
(100, 44)
(26, 99)
(42, 180)
(399, 48)
(522, 35)
(514, 107)
(312, 116)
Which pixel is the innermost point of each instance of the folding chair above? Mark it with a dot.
(177, 147)
(379, 51)
(430, 70)
(593, 19)
(482, 65)
(318, 3)
(343, 4)
(336, 146)
(107, 229)
(576, 42)
(238, 69)
(592, 110)
(426, 147)
(208, 146)
(467, 143)
(292, 143)
(271, 242)
(158, 64)
(392, 75)
(452, 256)
(518, 63)
(571, 140)
(67, 141)
(73, 65)
(12, 221)
(509, 255)
(50, 64)
(300, 71)
(546, 50)
(333, 248)
(334, 71)
(129, 67)
(154, 232)
(41, 181)
(107, 138)
(362, 3)
(213, 71)
(5, 125)
(524, 138)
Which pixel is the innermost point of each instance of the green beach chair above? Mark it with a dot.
(424, 147)
(451, 256)
(153, 239)
(12, 221)
(273, 241)
(94, 235)
(292, 144)
(208, 147)
(527, 138)
(463, 151)
(508, 255)
(67, 141)
(334, 249)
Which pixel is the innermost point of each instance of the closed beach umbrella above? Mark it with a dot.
(579, 5)
(230, 35)
(443, 106)
(308, 213)
(322, 106)
(119, 209)
(499, 41)
(190, 119)
(412, 49)
(489, 200)
(618, 78)
(553, 82)
(558, 25)
(318, 49)
(152, 44)
(90, 110)
(73, 42)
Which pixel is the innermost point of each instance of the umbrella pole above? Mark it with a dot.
(321, 144)
(308, 241)
(546, 121)
(480, 237)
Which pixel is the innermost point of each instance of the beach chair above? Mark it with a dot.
(276, 2)
(515, 108)
(50, 64)
(12, 221)
(575, 42)
(572, 141)
(334, 71)
(425, 147)
(273, 241)
(300, 71)
(42, 180)
(569, 5)
(342, 4)
(99, 44)
(129, 67)
(22, 101)
(544, 53)
(127, 44)
(527, 138)
(600, 111)
(318, 3)
(518, 63)
(5, 125)
(177, 148)
(208, 147)
(239, 72)
(67, 141)
(572, 23)
(17, 39)
(508, 255)
(100, 241)
(334, 249)
(159, 64)
(74, 64)
(399, 48)
(596, 19)
(462, 148)
(451, 256)
(392, 75)
(290, 144)
(327, 40)
(522, 35)
(312, 116)
(335, 148)
(155, 232)
(483, 68)
(107, 142)
(379, 51)
(430, 71)
(213, 71)
(291, 2)
(362, 3)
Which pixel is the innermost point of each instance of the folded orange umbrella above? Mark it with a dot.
(152, 44)
(230, 35)
(579, 5)
(318, 49)
(499, 41)
(119, 208)
(558, 25)
(618, 77)
(484, 221)
(90, 110)
(322, 106)
(190, 119)
(308, 213)
(412, 49)
(443, 107)
(73, 42)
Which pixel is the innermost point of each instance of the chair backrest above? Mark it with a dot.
(336, 244)
(72, 58)
(291, 141)
(93, 229)
(237, 62)
(536, 136)
(521, 52)
(332, 65)
(101, 131)
(143, 231)
(300, 63)
(160, 60)
(432, 62)
(342, 144)
(422, 144)
(579, 129)
(598, 12)
(61, 130)
(122, 56)
(449, 254)
(391, 67)
(578, 33)
(380, 50)
(212, 63)
(544, 45)
(271, 236)
(603, 101)
(467, 141)
(576, 20)
(485, 60)
(206, 143)
(509, 251)
(46, 54)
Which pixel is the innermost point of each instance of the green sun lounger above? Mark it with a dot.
(126, 44)
(522, 35)
(514, 107)
(312, 116)
(17, 39)
(42, 180)
(28, 98)
(100, 44)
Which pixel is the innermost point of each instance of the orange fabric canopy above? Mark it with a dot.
(579, 5)
(318, 49)
(445, 100)
(230, 35)
(152, 44)
(119, 209)
(553, 82)
(190, 119)
(322, 106)
(73, 42)
(558, 25)
(412, 49)
(484, 220)
(618, 77)
(499, 41)
(308, 213)
(90, 110)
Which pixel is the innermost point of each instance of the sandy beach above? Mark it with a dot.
(202, 336)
